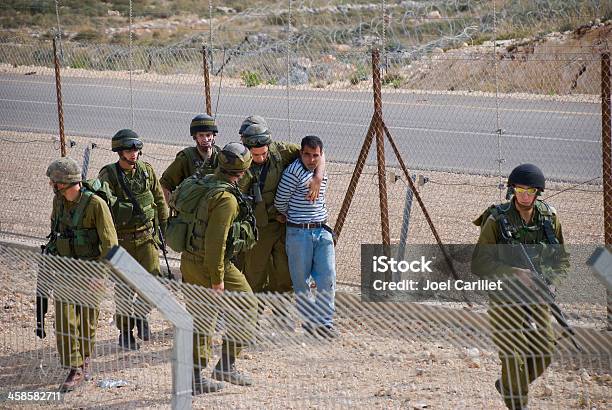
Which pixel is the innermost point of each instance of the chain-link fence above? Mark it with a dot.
(462, 106)
(388, 353)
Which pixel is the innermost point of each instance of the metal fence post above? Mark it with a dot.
(401, 250)
(380, 148)
(156, 294)
(606, 157)
(206, 80)
(58, 92)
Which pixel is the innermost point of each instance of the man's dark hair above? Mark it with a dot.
(312, 141)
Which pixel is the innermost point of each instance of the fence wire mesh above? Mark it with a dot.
(393, 353)
(463, 106)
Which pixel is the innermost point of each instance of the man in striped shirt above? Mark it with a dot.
(309, 242)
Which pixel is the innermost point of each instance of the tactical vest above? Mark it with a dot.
(125, 215)
(540, 240)
(194, 160)
(186, 230)
(263, 209)
(68, 236)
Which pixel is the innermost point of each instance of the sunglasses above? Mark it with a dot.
(529, 191)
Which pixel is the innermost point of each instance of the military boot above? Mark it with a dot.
(127, 341)
(142, 329)
(225, 370)
(87, 369)
(501, 391)
(201, 385)
(74, 379)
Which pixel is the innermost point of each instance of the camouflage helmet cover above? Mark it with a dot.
(64, 170)
(202, 123)
(250, 120)
(256, 135)
(126, 139)
(235, 157)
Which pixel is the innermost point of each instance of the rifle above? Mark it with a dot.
(42, 296)
(540, 281)
(164, 251)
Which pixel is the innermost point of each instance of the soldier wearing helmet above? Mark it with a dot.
(266, 266)
(81, 228)
(203, 156)
(139, 211)
(224, 226)
(521, 321)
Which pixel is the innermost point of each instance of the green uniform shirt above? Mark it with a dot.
(95, 216)
(185, 165)
(136, 186)
(280, 155)
(222, 209)
(487, 260)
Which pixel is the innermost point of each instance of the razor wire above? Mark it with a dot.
(399, 351)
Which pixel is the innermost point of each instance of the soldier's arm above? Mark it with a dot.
(104, 226)
(173, 175)
(286, 187)
(485, 258)
(158, 196)
(223, 210)
(562, 268)
(104, 175)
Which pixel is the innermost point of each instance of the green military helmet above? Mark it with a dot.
(235, 157)
(202, 123)
(64, 171)
(126, 139)
(250, 120)
(256, 135)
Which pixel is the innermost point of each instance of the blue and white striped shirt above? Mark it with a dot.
(291, 194)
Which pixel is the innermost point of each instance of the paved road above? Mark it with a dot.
(433, 131)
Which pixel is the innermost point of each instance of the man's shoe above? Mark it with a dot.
(142, 329)
(86, 369)
(74, 379)
(201, 385)
(230, 374)
(326, 332)
(127, 341)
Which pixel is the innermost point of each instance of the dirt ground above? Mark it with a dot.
(364, 367)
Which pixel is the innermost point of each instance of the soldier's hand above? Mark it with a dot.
(281, 218)
(218, 287)
(314, 188)
(525, 277)
(163, 226)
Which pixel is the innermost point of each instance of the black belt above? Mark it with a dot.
(310, 225)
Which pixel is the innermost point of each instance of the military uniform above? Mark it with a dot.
(210, 264)
(521, 327)
(265, 265)
(89, 237)
(139, 210)
(185, 164)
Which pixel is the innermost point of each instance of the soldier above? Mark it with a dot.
(265, 265)
(204, 155)
(81, 228)
(221, 213)
(139, 211)
(520, 320)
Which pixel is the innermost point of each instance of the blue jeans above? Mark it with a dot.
(311, 255)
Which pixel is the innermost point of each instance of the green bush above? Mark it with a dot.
(251, 78)
(393, 79)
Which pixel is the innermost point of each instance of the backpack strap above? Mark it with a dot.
(546, 213)
(77, 216)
